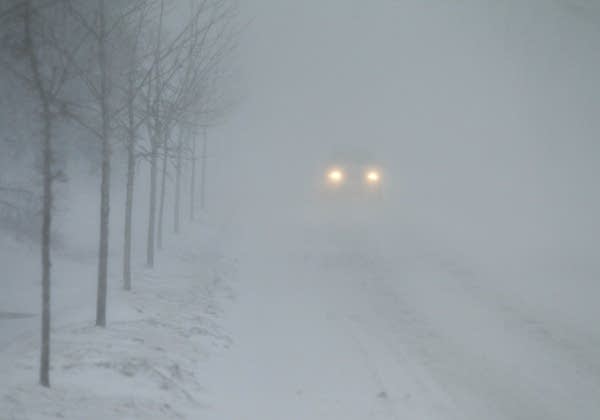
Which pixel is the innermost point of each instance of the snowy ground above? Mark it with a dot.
(147, 364)
(331, 328)
(324, 325)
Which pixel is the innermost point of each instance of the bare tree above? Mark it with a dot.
(137, 76)
(208, 43)
(60, 43)
(154, 99)
(102, 33)
(179, 150)
(98, 74)
(193, 159)
(45, 101)
(203, 170)
(44, 52)
(163, 188)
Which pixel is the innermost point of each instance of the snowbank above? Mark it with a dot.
(146, 364)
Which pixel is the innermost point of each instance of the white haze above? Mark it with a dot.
(474, 294)
(484, 115)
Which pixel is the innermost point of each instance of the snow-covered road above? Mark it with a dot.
(325, 324)
(389, 333)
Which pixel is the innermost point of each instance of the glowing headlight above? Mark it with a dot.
(373, 177)
(336, 176)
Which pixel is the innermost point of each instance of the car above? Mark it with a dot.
(349, 193)
(352, 177)
(347, 211)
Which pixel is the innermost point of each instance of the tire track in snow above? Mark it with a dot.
(384, 392)
(555, 337)
(404, 386)
(454, 332)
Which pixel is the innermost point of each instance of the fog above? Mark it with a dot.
(465, 288)
(483, 116)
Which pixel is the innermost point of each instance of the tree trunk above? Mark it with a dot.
(46, 263)
(129, 194)
(131, 143)
(105, 183)
(193, 180)
(152, 206)
(163, 189)
(203, 172)
(178, 185)
(46, 147)
(155, 143)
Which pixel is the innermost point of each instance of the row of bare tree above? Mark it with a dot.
(144, 76)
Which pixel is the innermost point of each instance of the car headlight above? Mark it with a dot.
(373, 177)
(335, 176)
